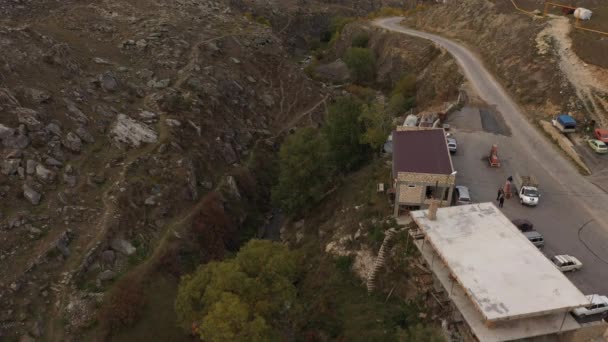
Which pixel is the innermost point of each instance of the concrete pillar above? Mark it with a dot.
(450, 194)
(397, 191)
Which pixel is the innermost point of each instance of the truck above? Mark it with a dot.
(565, 123)
(527, 190)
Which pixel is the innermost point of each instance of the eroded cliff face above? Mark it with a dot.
(438, 76)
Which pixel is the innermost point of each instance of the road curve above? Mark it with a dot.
(543, 153)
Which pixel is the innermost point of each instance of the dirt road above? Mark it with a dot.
(569, 199)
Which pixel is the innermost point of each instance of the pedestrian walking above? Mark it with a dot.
(500, 192)
(501, 200)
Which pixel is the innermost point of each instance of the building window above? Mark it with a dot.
(437, 192)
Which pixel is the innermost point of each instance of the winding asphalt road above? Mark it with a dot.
(569, 200)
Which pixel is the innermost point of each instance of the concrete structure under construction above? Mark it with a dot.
(504, 288)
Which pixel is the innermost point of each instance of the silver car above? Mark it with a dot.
(452, 145)
(461, 195)
(536, 238)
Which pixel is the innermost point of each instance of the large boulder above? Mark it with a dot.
(54, 128)
(70, 180)
(336, 71)
(72, 142)
(75, 113)
(31, 195)
(6, 131)
(29, 118)
(44, 174)
(11, 138)
(19, 141)
(122, 246)
(106, 275)
(38, 95)
(9, 166)
(128, 132)
(85, 135)
(7, 98)
(108, 82)
(30, 166)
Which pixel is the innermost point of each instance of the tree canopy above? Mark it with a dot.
(378, 125)
(304, 171)
(343, 131)
(247, 298)
(361, 63)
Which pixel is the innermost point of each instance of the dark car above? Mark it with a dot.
(523, 225)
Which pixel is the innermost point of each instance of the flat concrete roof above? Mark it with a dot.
(514, 330)
(503, 274)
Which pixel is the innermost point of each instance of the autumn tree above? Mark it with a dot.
(213, 229)
(247, 298)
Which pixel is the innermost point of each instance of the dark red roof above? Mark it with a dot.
(421, 151)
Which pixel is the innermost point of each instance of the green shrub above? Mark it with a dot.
(263, 21)
(338, 23)
(364, 94)
(421, 332)
(258, 19)
(406, 86)
(336, 26)
(360, 40)
(378, 125)
(388, 12)
(398, 104)
(361, 63)
(344, 263)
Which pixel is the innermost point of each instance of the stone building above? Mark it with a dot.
(422, 168)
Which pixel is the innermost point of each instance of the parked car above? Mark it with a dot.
(461, 195)
(527, 190)
(598, 146)
(566, 263)
(523, 225)
(599, 304)
(601, 134)
(452, 145)
(535, 237)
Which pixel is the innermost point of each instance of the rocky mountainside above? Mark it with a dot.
(116, 117)
(438, 76)
(531, 56)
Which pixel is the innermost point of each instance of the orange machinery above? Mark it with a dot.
(493, 158)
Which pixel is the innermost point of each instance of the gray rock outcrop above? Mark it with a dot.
(72, 142)
(123, 246)
(44, 174)
(31, 195)
(128, 132)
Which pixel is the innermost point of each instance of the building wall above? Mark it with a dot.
(425, 178)
(411, 193)
(410, 188)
